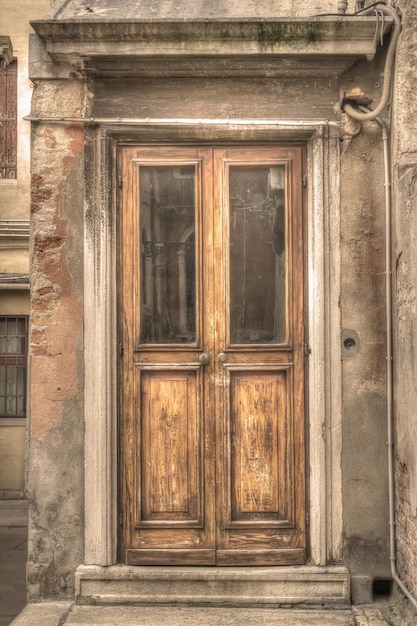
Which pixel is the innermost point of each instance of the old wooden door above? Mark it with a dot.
(212, 356)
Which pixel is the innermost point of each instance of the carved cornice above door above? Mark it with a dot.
(117, 39)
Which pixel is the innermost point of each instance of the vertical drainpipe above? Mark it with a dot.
(390, 421)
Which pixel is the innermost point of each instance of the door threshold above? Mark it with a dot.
(240, 586)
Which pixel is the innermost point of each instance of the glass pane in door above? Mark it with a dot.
(167, 267)
(257, 254)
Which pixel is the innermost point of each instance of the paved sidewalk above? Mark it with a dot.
(73, 615)
(13, 555)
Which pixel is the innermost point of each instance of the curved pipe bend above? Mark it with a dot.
(373, 115)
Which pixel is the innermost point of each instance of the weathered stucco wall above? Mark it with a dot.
(364, 462)
(363, 318)
(55, 482)
(405, 296)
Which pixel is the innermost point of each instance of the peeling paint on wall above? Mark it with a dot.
(54, 303)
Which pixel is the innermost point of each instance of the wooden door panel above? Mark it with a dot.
(173, 504)
(169, 445)
(260, 462)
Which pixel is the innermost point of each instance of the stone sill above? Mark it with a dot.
(7, 422)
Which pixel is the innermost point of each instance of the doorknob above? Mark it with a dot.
(204, 358)
(222, 356)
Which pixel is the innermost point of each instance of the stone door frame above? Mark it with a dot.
(323, 380)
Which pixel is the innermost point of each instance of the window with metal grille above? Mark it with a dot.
(13, 366)
(8, 120)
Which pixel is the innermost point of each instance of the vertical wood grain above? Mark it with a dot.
(170, 460)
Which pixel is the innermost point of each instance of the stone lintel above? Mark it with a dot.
(330, 44)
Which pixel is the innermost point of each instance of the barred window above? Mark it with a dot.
(8, 120)
(13, 366)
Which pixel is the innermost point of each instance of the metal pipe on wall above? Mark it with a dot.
(355, 113)
(149, 121)
(390, 421)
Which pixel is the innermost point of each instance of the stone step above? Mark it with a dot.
(222, 586)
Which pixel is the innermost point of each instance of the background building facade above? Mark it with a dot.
(15, 97)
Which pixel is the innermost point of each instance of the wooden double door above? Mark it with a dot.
(211, 374)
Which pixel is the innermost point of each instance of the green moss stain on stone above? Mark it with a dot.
(295, 35)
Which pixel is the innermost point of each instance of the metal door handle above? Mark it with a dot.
(222, 357)
(204, 358)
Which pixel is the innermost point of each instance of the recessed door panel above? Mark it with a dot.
(260, 446)
(212, 367)
(169, 442)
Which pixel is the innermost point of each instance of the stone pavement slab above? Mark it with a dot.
(45, 614)
(13, 555)
(368, 616)
(67, 614)
(13, 513)
(209, 616)
(63, 615)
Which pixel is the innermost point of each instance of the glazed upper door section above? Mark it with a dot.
(212, 370)
(257, 245)
(167, 200)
